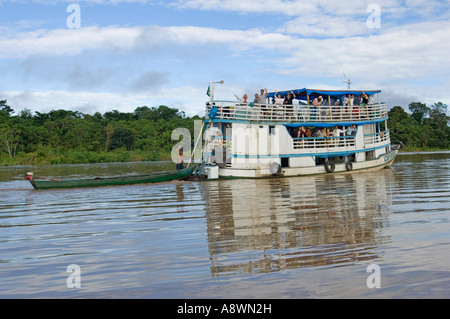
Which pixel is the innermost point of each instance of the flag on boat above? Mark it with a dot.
(208, 92)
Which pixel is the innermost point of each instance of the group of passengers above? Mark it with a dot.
(337, 131)
(346, 100)
(350, 100)
(262, 98)
(324, 136)
(353, 105)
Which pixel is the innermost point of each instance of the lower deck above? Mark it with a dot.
(254, 150)
(327, 166)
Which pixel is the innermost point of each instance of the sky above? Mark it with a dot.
(98, 56)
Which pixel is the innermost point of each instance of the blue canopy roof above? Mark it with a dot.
(301, 94)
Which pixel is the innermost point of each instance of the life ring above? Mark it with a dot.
(348, 166)
(275, 169)
(329, 166)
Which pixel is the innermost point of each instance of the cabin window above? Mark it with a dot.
(271, 130)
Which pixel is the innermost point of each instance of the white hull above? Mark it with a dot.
(366, 166)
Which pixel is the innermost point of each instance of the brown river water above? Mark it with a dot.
(303, 237)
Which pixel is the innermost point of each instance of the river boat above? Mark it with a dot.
(46, 183)
(307, 137)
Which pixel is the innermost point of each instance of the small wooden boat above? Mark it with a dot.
(46, 183)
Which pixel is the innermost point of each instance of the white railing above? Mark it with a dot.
(227, 110)
(321, 142)
(377, 137)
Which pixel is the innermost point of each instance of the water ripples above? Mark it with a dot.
(198, 239)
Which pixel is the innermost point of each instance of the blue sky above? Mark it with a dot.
(130, 53)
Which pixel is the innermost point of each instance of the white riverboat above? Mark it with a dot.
(321, 132)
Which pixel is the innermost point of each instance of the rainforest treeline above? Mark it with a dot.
(65, 137)
(68, 137)
(423, 128)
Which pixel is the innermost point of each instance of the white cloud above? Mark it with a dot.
(313, 41)
(103, 2)
(349, 8)
(75, 41)
(405, 52)
(403, 46)
(324, 26)
(64, 41)
(192, 101)
(328, 18)
(246, 6)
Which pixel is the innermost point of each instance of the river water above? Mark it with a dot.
(363, 235)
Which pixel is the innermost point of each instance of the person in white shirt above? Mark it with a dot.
(351, 99)
(336, 133)
(278, 99)
(345, 101)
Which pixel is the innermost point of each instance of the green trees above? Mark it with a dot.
(426, 127)
(122, 137)
(10, 129)
(419, 111)
(62, 136)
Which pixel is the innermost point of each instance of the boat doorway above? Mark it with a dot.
(285, 162)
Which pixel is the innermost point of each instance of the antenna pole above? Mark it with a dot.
(347, 80)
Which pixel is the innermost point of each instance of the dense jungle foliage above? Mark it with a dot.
(425, 128)
(67, 137)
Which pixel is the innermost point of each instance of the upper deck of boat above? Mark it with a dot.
(230, 111)
(336, 107)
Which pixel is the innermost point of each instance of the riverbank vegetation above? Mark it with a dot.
(425, 128)
(69, 137)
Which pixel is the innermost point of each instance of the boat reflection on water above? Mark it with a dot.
(267, 225)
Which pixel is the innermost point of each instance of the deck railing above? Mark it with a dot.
(227, 110)
(321, 142)
(377, 137)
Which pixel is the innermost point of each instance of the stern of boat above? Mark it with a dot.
(30, 177)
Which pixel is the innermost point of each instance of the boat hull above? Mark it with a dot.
(112, 181)
(383, 161)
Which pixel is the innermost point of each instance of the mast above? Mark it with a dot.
(213, 87)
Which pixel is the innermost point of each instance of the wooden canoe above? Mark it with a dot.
(45, 183)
